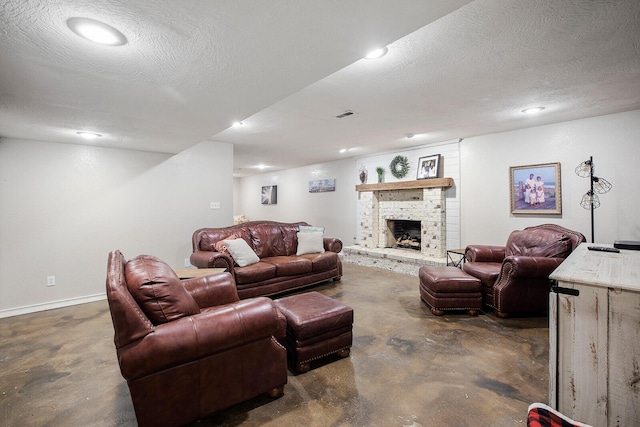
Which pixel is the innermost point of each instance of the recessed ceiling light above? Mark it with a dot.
(344, 150)
(377, 53)
(237, 124)
(532, 110)
(96, 31)
(88, 135)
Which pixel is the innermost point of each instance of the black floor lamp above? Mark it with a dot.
(597, 186)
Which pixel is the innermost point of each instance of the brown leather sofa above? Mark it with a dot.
(190, 348)
(515, 277)
(279, 268)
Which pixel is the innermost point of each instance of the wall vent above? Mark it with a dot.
(345, 114)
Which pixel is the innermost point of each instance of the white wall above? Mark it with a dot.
(612, 140)
(63, 207)
(333, 210)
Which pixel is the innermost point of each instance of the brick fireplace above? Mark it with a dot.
(421, 201)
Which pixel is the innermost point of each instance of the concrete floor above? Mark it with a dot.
(407, 367)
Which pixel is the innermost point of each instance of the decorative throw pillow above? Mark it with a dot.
(157, 290)
(310, 229)
(221, 247)
(310, 242)
(241, 252)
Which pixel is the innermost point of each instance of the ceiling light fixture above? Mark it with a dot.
(532, 110)
(96, 31)
(88, 135)
(344, 150)
(237, 124)
(377, 53)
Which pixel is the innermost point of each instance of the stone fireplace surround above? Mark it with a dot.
(421, 200)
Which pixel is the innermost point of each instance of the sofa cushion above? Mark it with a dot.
(157, 290)
(323, 261)
(255, 273)
(539, 242)
(290, 265)
(487, 272)
(267, 240)
(310, 243)
(241, 252)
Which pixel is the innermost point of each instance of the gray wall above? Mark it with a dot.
(612, 140)
(333, 210)
(63, 207)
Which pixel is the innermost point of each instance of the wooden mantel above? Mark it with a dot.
(407, 185)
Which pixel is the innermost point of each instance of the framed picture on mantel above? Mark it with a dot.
(429, 167)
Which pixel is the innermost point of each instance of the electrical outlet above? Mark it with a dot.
(187, 263)
(215, 205)
(51, 280)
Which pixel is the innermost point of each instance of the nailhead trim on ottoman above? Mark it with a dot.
(449, 288)
(317, 326)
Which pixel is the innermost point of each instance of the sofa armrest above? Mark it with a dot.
(332, 244)
(529, 267)
(209, 291)
(211, 259)
(484, 253)
(195, 337)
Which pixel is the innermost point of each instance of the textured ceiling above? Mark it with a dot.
(286, 68)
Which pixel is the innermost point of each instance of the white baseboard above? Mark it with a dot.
(51, 305)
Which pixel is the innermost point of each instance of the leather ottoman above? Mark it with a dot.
(317, 326)
(449, 288)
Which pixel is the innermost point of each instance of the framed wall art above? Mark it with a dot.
(322, 185)
(270, 195)
(428, 166)
(535, 189)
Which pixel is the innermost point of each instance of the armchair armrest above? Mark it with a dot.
(529, 267)
(332, 244)
(209, 291)
(211, 259)
(484, 253)
(194, 337)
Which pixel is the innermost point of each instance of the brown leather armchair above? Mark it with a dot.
(515, 277)
(190, 348)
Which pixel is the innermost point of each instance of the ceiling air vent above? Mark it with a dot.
(345, 114)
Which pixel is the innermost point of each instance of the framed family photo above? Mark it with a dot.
(428, 166)
(535, 189)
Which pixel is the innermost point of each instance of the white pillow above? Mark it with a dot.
(310, 242)
(309, 228)
(241, 252)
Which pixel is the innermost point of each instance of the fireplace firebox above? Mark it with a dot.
(403, 234)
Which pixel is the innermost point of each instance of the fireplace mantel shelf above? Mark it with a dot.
(407, 185)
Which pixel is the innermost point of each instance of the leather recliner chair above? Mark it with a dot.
(515, 277)
(190, 348)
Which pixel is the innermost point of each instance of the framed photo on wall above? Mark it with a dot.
(270, 195)
(322, 185)
(535, 189)
(429, 166)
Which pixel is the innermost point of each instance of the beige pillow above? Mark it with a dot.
(241, 252)
(310, 242)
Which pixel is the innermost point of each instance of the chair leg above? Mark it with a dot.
(437, 312)
(276, 392)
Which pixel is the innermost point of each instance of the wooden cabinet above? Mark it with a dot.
(594, 348)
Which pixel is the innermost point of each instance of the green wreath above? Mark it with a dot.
(399, 166)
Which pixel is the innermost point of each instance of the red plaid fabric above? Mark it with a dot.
(541, 415)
